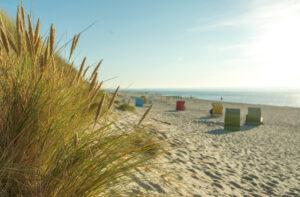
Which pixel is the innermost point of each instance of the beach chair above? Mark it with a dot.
(253, 117)
(144, 99)
(232, 119)
(139, 102)
(217, 109)
(180, 106)
(150, 99)
(125, 99)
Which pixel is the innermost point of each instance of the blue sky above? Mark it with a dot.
(177, 43)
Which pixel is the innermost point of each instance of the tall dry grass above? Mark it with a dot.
(48, 143)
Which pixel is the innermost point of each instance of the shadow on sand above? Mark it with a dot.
(222, 131)
(171, 111)
(209, 117)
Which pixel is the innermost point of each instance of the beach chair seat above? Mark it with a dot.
(253, 117)
(217, 109)
(232, 119)
(139, 102)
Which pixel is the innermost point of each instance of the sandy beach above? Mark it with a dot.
(206, 160)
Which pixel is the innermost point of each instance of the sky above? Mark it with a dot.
(179, 43)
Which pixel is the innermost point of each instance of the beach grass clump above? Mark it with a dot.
(126, 107)
(55, 138)
(117, 102)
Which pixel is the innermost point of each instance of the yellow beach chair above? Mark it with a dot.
(145, 99)
(217, 109)
(254, 116)
(232, 119)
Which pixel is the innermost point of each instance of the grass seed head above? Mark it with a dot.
(5, 41)
(46, 55)
(52, 39)
(1, 23)
(99, 109)
(30, 29)
(81, 68)
(96, 68)
(37, 32)
(74, 43)
(85, 71)
(12, 44)
(113, 98)
(23, 16)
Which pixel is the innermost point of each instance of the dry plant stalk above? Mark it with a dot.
(96, 69)
(5, 41)
(53, 65)
(76, 140)
(145, 114)
(28, 43)
(93, 82)
(46, 55)
(113, 98)
(52, 39)
(38, 45)
(42, 63)
(99, 109)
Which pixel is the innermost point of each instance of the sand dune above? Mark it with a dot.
(209, 161)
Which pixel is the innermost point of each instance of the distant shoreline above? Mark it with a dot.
(283, 99)
(202, 99)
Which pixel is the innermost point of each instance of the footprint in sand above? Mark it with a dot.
(157, 187)
(212, 175)
(191, 170)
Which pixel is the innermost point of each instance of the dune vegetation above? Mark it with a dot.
(55, 135)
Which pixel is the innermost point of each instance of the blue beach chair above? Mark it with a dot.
(139, 102)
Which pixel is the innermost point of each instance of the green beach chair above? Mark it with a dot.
(232, 119)
(254, 116)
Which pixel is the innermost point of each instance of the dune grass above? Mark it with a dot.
(126, 107)
(55, 139)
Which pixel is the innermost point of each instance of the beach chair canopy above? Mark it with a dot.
(232, 119)
(217, 108)
(254, 116)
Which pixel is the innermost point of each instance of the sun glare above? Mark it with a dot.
(277, 50)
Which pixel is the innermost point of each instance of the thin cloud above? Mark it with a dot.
(262, 12)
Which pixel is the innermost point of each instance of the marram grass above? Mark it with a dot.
(48, 143)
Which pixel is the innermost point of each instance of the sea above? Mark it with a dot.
(265, 96)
